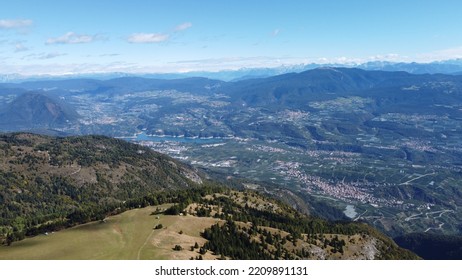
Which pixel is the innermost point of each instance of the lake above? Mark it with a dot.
(350, 211)
(144, 137)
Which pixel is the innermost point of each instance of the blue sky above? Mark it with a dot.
(62, 37)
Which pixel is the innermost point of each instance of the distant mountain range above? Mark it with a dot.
(43, 104)
(394, 91)
(453, 67)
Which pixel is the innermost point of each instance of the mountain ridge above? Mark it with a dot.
(37, 110)
(453, 66)
(315, 84)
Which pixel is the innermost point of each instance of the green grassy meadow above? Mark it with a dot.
(127, 236)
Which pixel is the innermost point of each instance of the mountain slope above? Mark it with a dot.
(35, 110)
(432, 246)
(121, 85)
(298, 89)
(133, 235)
(47, 180)
(47, 184)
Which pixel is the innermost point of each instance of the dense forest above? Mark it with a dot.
(48, 183)
(257, 227)
(432, 246)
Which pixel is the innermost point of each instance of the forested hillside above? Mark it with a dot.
(48, 181)
(48, 184)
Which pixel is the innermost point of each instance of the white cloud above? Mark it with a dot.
(446, 54)
(19, 47)
(275, 32)
(147, 38)
(43, 56)
(73, 38)
(183, 26)
(109, 54)
(14, 23)
(50, 67)
(337, 60)
(233, 63)
(157, 37)
(354, 61)
(393, 57)
(51, 55)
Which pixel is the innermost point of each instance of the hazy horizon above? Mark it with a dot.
(59, 38)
